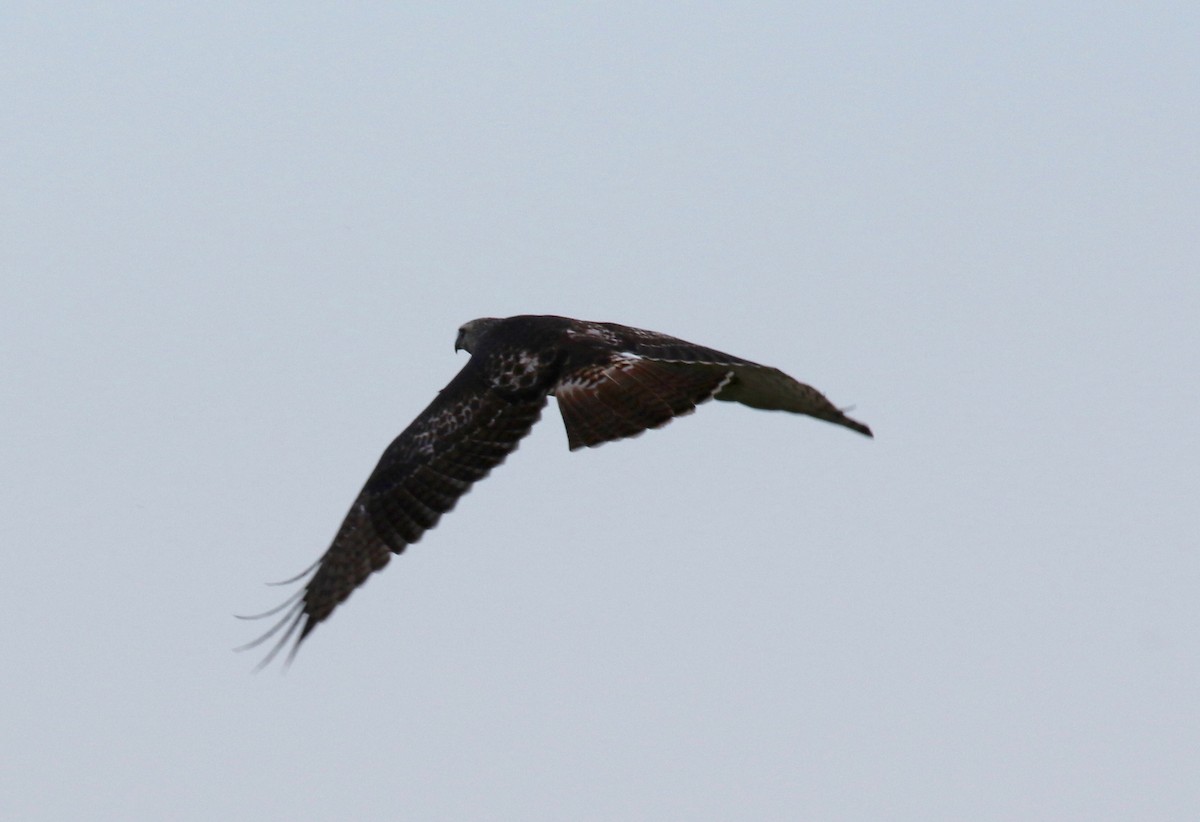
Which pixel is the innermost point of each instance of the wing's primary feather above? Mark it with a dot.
(466, 432)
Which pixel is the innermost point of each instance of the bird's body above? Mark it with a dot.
(610, 381)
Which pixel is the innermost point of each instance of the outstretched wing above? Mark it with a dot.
(653, 377)
(466, 432)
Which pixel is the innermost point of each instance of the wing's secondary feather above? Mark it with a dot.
(626, 395)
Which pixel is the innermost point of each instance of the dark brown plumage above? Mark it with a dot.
(611, 382)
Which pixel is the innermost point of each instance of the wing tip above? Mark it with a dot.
(860, 428)
(853, 425)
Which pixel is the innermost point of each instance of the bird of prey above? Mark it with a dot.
(610, 381)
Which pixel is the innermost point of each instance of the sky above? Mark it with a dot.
(236, 243)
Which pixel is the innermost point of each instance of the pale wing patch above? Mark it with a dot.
(760, 386)
(592, 333)
(629, 394)
(518, 370)
(444, 422)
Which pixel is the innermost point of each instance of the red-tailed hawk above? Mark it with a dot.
(610, 381)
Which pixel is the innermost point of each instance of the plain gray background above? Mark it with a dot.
(238, 240)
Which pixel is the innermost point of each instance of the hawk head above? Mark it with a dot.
(470, 333)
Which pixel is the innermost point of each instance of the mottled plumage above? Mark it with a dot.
(610, 382)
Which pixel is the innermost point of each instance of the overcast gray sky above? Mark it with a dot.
(238, 240)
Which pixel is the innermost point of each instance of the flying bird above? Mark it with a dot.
(611, 382)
